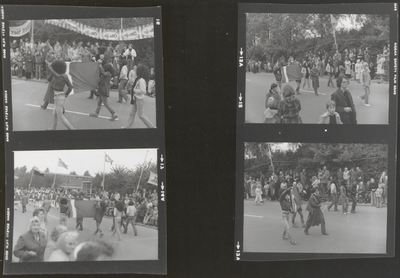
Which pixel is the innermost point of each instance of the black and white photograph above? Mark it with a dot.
(105, 201)
(86, 73)
(88, 195)
(86, 205)
(315, 198)
(316, 67)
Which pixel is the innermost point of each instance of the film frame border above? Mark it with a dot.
(390, 9)
(81, 139)
(310, 133)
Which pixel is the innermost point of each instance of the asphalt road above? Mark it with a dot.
(144, 246)
(363, 232)
(258, 85)
(27, 96)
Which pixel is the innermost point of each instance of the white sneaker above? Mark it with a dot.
(366, 104)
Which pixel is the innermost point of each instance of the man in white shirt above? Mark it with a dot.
(129, 55)
(333, 196)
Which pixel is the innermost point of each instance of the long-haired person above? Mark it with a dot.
(138, 93)
(101, 208)
(31, 245)
(118, 212)
(60, 79)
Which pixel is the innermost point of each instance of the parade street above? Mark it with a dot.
(363, 232)
(27, 97)
(312, 106)
(144, 246)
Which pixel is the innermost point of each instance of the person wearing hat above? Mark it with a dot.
(366, 83)
(289, 107)
(315, 217)
(272, 100)
(31, 245)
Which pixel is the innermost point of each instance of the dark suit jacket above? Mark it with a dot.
(341, 102)
(27, 243)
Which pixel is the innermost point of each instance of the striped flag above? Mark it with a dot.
(62, 164)
(109, 160)
(82, 208)
(36, 171)
(296, 198)
(291, 73)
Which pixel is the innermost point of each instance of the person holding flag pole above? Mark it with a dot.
(315, 217)
(297, 205)
(285, 201)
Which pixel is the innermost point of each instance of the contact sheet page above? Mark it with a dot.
(85, 150)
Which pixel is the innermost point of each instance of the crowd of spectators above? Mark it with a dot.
(42, 243)
(349, 61)
(29, 59)
(358, 188)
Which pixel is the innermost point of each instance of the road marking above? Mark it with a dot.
(248, 79)
(137, 239)
(256, 216)
(312, 92)
(15, 83)
(72, 112)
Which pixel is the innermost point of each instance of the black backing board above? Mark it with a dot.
(200, 78)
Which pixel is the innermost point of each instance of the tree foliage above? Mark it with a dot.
(120, 178)
(371, 158)
(269, 36)
(144, 47)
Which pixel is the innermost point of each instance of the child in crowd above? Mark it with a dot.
(258, 195)
(331, 116)
(289, 107)
(378, 194)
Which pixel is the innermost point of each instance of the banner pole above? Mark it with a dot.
(104, 169)
(30, 182)
(32, 23)
(141, 172)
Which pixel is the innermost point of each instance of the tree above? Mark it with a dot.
(87, 174)
(73, 173)
(269, 36)
(371, 158)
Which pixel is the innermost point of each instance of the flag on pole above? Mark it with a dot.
(296, 198)
(108, 159)
(291, 73)
(37, 172)
(85, 76)
(153, 179)
(62, 164)
(82, 208)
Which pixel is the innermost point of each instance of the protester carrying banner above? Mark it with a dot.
(58, 68)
